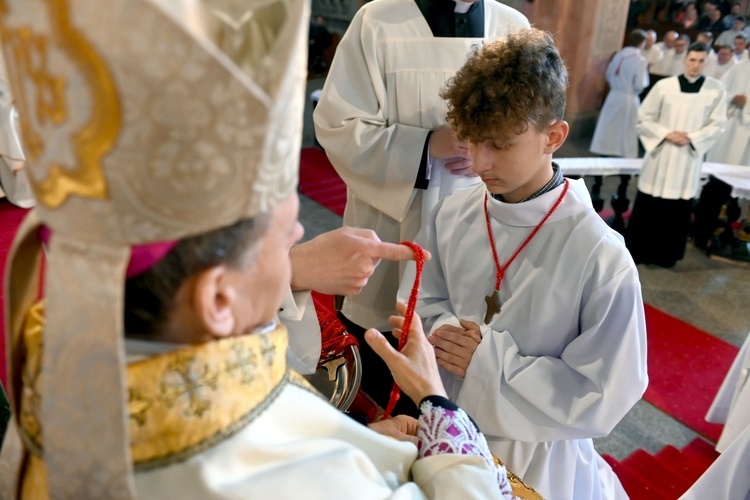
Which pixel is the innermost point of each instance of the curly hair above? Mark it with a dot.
(505, 86)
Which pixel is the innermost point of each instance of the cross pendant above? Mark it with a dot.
(493, 307)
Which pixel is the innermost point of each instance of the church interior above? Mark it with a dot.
(704, 296)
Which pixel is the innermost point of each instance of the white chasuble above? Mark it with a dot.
(565, 359)
(615, 133)
(733, 145)
(670, 171)
(380, 100)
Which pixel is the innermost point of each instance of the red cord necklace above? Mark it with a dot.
(411, 305)
(493, 301)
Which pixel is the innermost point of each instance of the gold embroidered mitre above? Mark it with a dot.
(141, 121)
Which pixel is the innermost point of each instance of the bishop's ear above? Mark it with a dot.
(213, 300)
(557, 132)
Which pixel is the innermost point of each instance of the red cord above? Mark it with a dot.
(334, 336)
(411, 305)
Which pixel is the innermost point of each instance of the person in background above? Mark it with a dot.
(732, 147)
(724, 62)
(677, 65)
(707, 39)
(627, 76)
(688, 17)
(651, 51)
(727, 37)
(740, 48)
(662, 67)
(525, 239)
(678, 122)
(382, 124)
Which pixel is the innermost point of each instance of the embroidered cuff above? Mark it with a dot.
(444, 428)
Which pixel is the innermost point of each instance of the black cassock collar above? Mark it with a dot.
(691, 88)
(446, 23)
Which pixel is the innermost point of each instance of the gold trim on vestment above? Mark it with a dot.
(520, 489)
(183, 402)
(27, 54)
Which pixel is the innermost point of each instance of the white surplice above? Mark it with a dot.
(653, 54)
(733, 145)
(670, 171)
(565, 359)
(380, 100)
(615, 133)
(717, 70)
(728, 477)
(663, 66)
(731, 405)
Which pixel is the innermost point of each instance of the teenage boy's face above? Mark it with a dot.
(517, 166)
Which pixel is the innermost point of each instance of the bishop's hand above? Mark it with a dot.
(454, 347)
(401, 427)
(340, 262)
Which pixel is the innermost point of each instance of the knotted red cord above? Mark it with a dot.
(411, 305)
(334, 336)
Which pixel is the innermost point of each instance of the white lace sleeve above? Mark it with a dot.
(450, 430)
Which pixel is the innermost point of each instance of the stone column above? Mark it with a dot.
(587, 33)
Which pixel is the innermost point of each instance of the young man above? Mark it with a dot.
(679, 121)
(192, 270)
(382, 123)
(532, 302)
(627, 75)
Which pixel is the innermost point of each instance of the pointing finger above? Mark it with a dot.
(394, 251)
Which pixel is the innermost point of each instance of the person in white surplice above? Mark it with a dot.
(161, 291)
(532, 302)
(382, 123)
(679, 121)
(627, 76)
(733, 147)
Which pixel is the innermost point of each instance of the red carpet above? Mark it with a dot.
(665, 475)
(319, 181)
(686, 367)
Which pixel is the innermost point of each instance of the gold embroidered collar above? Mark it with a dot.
(185, 401)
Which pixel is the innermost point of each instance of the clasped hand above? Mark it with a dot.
(454, 346)
(678, 138)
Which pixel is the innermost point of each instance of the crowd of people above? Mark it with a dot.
(676, 102)
(172, 369)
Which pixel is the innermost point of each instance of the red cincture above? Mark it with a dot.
(411, 305)
(493, 301)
